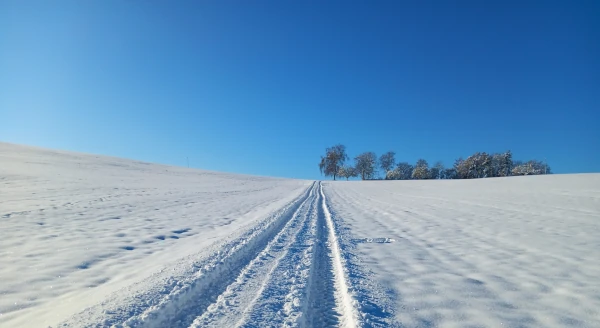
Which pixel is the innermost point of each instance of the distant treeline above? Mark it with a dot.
(479, 165)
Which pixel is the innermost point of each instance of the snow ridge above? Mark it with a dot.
(344, 299)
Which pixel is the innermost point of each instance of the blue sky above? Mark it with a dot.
(263, 87)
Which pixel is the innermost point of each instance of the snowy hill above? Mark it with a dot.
(76, 227)
(501, 252)
(95, 241)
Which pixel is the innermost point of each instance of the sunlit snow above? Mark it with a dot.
(90, 240)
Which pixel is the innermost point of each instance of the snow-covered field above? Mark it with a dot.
(502, 252)
(94, 241)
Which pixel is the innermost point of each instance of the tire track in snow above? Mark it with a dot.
(259, 274)
(320, 308)
(187, 299)
(302, 279)
(344, 300)
(288, 270)
(298, 279)
(281, 300)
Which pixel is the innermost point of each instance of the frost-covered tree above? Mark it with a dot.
(421, 170)
(461, 169)
(506, 164)
(387, 161)
(437, 171)
(501, 164)
(392, 175)
(347, 172)
(402, 172)
(366, 165)
(342, 172)
(478, 165)
(332, 161)
(495, 166)
(450, 173)
(532, 167)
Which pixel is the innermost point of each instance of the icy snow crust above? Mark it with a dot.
(93, 241)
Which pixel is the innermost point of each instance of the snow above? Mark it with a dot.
(75, 228)
(514, 252)
(95, 241)
(348, 318)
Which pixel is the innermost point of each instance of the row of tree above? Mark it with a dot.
(478, 165)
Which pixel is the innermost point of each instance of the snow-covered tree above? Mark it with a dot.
(437, 171)
(421, 170)
(461, 169)
(366, 165)
(506, 164)
(478, 165)
(450, 173)
(402, 172)
(332, 161)
(501, 164)
(392, 175)
(387, 161)
(532, 167)
(347, 172)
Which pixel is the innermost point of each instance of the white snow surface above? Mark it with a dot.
(95, 241)
(501, 252)
(75, 228)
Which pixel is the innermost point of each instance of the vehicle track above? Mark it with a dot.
(185, 303)
(297, 280)
(254, 279)
(288, 270)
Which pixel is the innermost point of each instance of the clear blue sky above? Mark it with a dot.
(264, 88)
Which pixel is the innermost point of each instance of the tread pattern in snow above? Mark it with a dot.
(289, 270)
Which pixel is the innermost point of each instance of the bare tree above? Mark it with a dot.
(387, 161)
(332, 161)
(366, 165)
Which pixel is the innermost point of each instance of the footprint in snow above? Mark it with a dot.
(180, 231)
